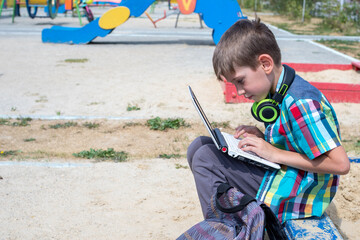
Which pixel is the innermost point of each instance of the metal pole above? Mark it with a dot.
(341, 5)
(1, 7)
(14, 11)
(303, 11)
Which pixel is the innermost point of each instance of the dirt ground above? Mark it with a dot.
(47, 193)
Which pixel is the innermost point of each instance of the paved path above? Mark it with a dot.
(295, 48)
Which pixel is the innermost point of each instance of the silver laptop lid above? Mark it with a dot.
(203, 117)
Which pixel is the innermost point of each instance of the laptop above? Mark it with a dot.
(227, 143)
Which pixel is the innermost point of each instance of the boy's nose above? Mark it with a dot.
(240, 91)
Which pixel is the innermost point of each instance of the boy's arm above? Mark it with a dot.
(334, 161)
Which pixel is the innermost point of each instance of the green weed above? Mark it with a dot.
(350, 48)
(8, 153)
(42, 99)
(29, 139)
(178, 166)
(76, 60)
(131, 124)
(163, 124)
(22, 122)
(351, 145)
(4, 121)
(63, 125)
(91, 125)
(221, 124)
(103, 155)
(168, 156)
(132, 108)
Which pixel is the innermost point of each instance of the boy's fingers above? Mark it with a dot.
(238, 133)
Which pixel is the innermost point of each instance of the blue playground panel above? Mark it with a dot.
(312, 229)
(85, 34)
(218, 15)
(136, 7)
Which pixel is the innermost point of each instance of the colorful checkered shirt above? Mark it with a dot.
(307, 125)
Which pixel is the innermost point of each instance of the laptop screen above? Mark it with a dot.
(204, 118)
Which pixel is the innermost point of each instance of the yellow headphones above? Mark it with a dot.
(268, 110)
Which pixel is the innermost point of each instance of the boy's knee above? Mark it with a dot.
(203, 157)
(195, 146)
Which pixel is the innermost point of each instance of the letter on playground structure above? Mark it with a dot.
(187, 6)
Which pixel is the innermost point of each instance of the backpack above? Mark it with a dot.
(234, 215)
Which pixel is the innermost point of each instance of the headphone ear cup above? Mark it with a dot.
(254, 111)
(267, 112)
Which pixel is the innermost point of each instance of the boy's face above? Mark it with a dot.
(254, 85)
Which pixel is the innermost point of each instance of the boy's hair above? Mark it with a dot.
(242, 44)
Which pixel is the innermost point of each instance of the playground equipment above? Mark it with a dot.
(218, 15)
(8, 4)
(100, 27)
(70, 5)
(52, 7)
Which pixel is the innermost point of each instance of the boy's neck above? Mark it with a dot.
(277, 73)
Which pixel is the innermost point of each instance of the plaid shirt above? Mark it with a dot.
(307, 125)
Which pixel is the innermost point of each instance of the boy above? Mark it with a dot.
(304, 137)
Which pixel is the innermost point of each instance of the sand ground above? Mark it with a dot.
(49, 194)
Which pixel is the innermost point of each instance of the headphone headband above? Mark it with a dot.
(289, 75)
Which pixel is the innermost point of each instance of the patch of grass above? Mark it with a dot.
(76, 60)
(351, 145)
(29, 140)
(168, 156)
(22, 122)
(91, 125)
(42, 99)
(63, 125)
(163, 124)
(95, 103)
(178, 166)
(132, 108)
(221, 124)
(351, 48)
(8, 153)
(4, 121)
(100, 154)
(131, 124)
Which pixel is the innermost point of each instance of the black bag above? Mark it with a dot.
(234, 215)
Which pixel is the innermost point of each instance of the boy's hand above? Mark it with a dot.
(259, 146)
(246, 131)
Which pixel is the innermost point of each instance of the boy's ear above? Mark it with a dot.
(266, 62)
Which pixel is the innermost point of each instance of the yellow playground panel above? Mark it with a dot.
(10, 4)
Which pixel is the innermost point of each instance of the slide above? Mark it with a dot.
(218, 15)
(100, 27)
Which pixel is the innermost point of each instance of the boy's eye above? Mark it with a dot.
(240, 81)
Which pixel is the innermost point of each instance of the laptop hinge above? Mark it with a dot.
(221, 140)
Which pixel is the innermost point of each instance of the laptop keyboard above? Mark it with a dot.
(233, 147)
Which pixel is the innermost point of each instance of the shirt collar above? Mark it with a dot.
(280, 79)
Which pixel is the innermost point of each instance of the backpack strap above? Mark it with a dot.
(244, 201)
(273, 226)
